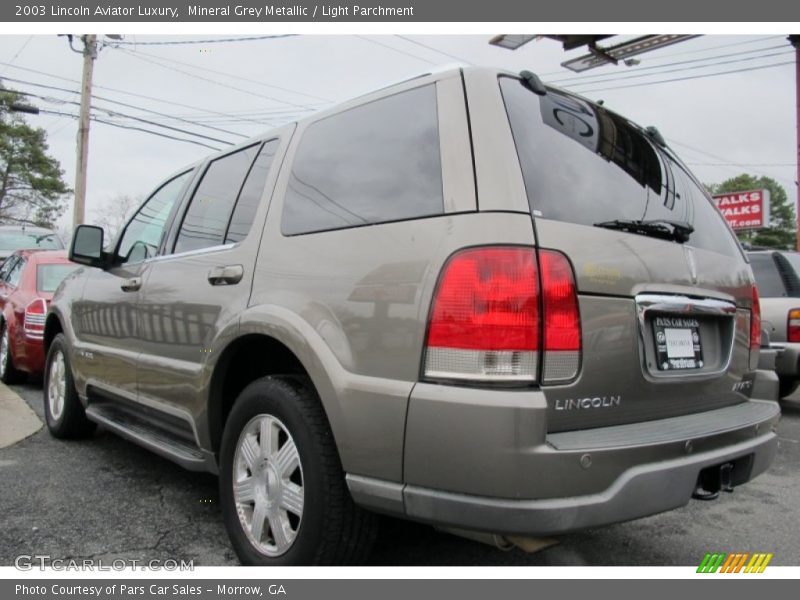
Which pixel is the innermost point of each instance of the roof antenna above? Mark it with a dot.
(533, 83)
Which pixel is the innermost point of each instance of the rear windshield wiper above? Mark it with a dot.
(677, 231)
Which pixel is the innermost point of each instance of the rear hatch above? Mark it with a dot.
(664, 290)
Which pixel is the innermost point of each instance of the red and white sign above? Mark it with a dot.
(744, 210)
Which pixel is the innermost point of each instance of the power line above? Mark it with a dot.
(633, 85)
(206, 41)
(442, 52)
(372, 41)
(685, 52)
(727, 164)
(21, 49)
(122, 126)
(239, 77)
(227, 86)
(632, 73)
(135, 94)
(110, 111)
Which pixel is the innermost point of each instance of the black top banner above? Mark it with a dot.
(400, 11)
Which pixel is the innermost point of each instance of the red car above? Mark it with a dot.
(28, 279)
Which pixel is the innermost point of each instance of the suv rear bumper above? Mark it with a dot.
(536, 483)
(641, 491)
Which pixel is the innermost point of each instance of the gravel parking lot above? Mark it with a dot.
(107, 498)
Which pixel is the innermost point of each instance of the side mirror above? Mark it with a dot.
(87, 246)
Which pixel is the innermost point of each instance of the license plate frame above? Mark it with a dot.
(678, 344)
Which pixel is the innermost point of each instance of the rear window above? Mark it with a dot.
(375, 163)
(48, 277)
(584, 164)
(24, 240)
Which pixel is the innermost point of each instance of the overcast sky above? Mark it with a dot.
(745, 118)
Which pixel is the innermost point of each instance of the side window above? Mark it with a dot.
(6, 267)
(375, 163)
(15, 273)
(144, 231)
(253, 189)
(207, 217)
(768, 278)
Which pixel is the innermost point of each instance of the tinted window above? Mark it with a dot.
(16, 272)
(207, 217)
(48, 277)
(584, 164)
(252, 190)
(143, 234)
(768, 278)
(374, 163)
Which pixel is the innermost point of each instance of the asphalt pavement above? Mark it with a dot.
(107, 498)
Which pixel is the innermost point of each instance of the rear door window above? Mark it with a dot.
(252, 191)
(375, 163)
(584, 164)
(207, 217)
(49, 277)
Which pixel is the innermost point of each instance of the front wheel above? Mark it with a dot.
(282, 490)
(63, 410)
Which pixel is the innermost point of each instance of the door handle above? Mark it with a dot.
(229, 275)
(131, 285)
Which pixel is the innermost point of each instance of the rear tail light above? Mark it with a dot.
(793, 326)
(35, 313)
(489, 318)
(755, 322)
(562, 326)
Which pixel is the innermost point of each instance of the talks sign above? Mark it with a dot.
(744, 210)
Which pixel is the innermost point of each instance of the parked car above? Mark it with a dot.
(467, 299)
(24, 237)
(28, 279)
(777, 274)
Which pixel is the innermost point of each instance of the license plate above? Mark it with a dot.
(678, 345)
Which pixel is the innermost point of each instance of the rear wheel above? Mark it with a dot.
(787, 386)
(8, 374)
(63, 410)
(282, 489)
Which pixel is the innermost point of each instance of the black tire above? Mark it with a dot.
(8, 373)
(332, 529)
(70, 422)
(787, 386)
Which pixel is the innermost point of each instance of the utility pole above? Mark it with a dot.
(82, 153)
(795, 40)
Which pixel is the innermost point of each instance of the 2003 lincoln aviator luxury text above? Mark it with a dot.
(467, 299)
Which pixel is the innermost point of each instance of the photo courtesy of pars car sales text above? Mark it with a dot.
(152, 590)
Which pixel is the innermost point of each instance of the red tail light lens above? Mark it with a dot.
(755, 322)
(33, 323)
(793, 325)
(485, 318)
(562, 327)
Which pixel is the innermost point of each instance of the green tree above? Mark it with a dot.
(782, 230)
(32, 187)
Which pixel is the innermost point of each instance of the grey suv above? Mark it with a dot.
(467, 299)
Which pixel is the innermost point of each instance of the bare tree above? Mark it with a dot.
(114, 213)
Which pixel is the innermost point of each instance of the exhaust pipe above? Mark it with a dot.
(502, 542)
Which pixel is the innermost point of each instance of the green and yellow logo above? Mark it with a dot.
(735, 562)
